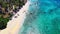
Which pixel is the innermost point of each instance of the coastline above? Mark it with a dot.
(15, 24)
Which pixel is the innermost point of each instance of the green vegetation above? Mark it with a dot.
(9, 4)
(3, 22)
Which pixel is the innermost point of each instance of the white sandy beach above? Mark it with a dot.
(15, 24)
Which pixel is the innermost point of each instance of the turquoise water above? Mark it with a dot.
(43, 18)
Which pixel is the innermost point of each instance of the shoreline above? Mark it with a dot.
(15, 24)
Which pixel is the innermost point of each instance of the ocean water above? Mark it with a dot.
(43, 18)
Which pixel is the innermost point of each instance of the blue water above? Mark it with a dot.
(43, 17)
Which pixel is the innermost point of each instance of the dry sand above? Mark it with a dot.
(15, 24)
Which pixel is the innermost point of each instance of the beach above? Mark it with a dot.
(17, 21)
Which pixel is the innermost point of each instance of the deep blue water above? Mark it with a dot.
(43, 17)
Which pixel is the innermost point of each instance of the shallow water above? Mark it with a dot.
(43, 18)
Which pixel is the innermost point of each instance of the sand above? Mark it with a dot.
(17, 21)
